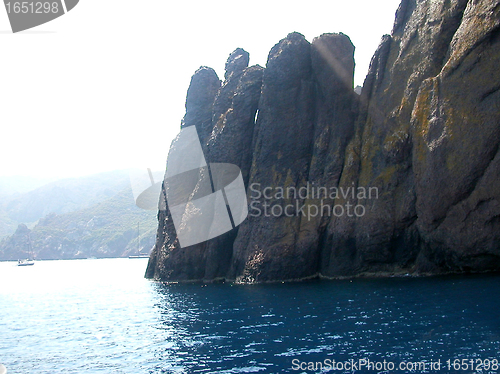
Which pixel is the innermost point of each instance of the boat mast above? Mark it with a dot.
(30, 249)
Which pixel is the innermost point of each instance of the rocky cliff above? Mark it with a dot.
(403, 178)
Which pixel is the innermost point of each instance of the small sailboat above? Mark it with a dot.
(26, 262)
(29, 261)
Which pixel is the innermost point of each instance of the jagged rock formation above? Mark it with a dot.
(409, 169)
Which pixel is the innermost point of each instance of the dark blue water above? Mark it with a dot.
(101, 316)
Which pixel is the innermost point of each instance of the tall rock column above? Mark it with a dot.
(168, 261)
(265, 246)
(224, 118)
(231, 141)
(336, 103)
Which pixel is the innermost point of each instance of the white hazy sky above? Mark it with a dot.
(103, 87)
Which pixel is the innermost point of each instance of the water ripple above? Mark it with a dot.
(101, 316)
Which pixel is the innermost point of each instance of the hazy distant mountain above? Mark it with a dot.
(61, 196)
(15, 185)
(106, 229)
(7, 225)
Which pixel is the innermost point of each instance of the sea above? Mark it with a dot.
(102, 316)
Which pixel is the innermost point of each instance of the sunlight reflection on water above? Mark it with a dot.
(101, 316)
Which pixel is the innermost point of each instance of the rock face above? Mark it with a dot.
(403, 178)
(456, 134)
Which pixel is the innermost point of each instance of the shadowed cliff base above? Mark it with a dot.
(424, 134)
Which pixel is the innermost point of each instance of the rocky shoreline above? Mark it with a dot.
(319, 277)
